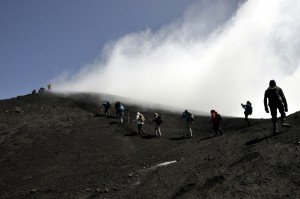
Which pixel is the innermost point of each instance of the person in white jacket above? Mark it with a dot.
(140, 119)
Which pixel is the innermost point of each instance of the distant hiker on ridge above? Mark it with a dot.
(216, 122)
(189, 119)
(49, 87)
(275, 98)
(42, 90)
(106, 106)
(158, 119)
(248, 111)
(140, 119)
(119, 111)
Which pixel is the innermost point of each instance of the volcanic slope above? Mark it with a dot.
(55, 148)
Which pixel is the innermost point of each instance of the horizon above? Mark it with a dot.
(145, 104)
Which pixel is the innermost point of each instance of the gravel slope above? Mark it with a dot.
(56, 149)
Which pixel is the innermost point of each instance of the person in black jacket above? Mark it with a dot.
(248, 111)
(274, 97)
(106, 106)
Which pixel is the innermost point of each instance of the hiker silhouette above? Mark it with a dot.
(248, 111)
(275, 99)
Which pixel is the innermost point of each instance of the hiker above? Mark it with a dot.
(41, 90)
(49, 87)
(216, 119)
(275, 98)
(189, 119)
(158, 119)
(140, 119)
(248, 111)
(106, 106)
(120, 111)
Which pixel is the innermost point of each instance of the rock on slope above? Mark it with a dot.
(53, 148)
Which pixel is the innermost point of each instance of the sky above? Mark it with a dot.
(196, 54)
(39, 40)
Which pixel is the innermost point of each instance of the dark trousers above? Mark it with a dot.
(217, 129)
(246, 118)
(106, 112)
(140, 128)
(273, 108)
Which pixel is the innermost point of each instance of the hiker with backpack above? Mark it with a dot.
(248, 111)
(140, 119)
(106, 106)
(120, 111)
(158, 119)
(275, 99)
(189, 119)
(216, 120)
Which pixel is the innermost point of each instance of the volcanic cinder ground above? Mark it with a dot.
(55, 148)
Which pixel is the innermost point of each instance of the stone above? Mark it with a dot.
(33, 191)
(17, 110)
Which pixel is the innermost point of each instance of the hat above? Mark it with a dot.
(248, 102)
(138, 113)
(212, 111)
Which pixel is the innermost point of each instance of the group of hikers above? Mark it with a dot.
(42, 89)
(273, 98)
(139, 120)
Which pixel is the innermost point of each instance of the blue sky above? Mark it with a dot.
(39, 40)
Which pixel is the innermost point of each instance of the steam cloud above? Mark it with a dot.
(214, 57)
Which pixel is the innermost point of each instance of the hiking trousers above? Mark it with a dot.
(106, 112)
(246, 118)
(273, 109)
(140, 128)
(157, 130)
(217, 129)
(121, 116)
(189, 129)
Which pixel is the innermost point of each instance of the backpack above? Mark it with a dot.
(250, 110)
(108, 104)
(159, 119)
(273, 94)
(191, 117)
(142, 118)
(121, 108)
(219, 117)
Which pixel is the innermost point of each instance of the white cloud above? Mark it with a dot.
(203, 62)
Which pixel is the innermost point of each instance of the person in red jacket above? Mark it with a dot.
(216, 122)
